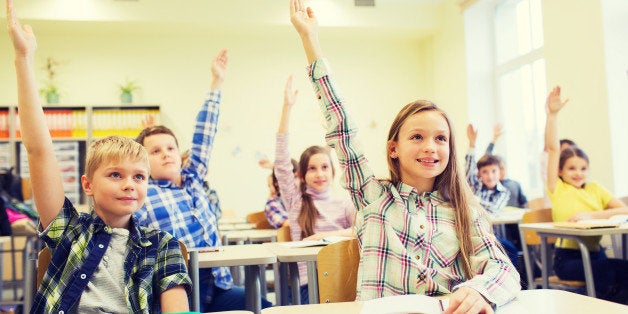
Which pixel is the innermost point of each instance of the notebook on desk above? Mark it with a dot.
(586, 225)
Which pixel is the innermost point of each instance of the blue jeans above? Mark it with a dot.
(214, 299)
(610, 275)
(305, 297)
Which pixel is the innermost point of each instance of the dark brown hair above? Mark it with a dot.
(152, 130)
(489, 160)
(448, 184)
(309, 212)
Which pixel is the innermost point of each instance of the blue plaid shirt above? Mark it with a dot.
(77, 243)
(493, 200)
(185, 211)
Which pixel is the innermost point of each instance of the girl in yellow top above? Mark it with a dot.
(573, 199)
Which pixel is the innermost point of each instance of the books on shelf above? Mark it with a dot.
(322, 242)
(409, 303)
(612, 222)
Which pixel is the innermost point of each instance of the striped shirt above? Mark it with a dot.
(333, 214)
(275, 212)
(185, 211)
(408, 241)
(153, 263)
(493, 200)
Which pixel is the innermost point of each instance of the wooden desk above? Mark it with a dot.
(528, 301)
(547, 229)
(288, 257)
(238, 226)
(251, 256)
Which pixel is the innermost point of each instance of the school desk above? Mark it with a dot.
(288, 258)
(240, 237)
(528, 301)
(250, 255)
(4, 239)
(547, 229)
(510, 215)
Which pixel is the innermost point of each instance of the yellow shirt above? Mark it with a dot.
(568, 200)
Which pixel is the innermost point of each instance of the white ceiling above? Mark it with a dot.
(408, 18)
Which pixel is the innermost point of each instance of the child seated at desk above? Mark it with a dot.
(102, 261)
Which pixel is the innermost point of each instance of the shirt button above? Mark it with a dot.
(101, 246)
(422, 226)
(61, 312)
(83, 276)
(418, 257)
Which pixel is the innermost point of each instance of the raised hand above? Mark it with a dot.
(498, 130)
(303, 19)
(219, 68)
(554, 103)
(23, 38)
(472, 134)
(289, 95)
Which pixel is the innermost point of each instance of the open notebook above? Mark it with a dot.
(405, 304)
(612, 222)
(323, 242)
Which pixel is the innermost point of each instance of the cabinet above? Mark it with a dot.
(72, 129)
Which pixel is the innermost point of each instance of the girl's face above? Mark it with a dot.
(422, 149)
(319, 173)
(574, 171)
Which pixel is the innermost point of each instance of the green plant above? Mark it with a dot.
(129, 87)
(49, 84)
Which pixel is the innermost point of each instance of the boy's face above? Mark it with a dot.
(118, 189)
(164, 157)
(489, 175)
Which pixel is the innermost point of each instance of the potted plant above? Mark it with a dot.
(50, 89)
(126, 91)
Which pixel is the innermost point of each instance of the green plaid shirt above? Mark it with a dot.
(153, 264)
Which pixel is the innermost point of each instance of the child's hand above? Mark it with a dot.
(581, 216)
(467, 300)
(219, 68)
(497, 131)
(472, 134)
(23, 38)
(303, 19)
(554, 103)
(289, 96)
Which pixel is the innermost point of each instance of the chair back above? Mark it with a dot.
(259, 220)
(539, 215)
(184, 252)
(338, 271)
(43, 260)
(283, 234)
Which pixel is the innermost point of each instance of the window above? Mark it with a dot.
(507, 83)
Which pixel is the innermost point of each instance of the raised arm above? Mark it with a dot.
(471, 168)
(553, 105)
(45, 175)
(219, 69)
(289, 98)
(497, 132)
(306, 25)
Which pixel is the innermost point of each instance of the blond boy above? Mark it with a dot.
(101, 261)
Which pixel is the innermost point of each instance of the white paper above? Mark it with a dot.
(406, 304)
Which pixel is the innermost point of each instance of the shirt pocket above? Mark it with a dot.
(444, 246)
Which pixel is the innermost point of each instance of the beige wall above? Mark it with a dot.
(377, 74)
(574, 52)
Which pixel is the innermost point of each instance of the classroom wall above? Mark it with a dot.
(575, 60)
(378, 74)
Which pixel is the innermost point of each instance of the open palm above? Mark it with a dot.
(303, 18)
(554, 103)
(23, 38)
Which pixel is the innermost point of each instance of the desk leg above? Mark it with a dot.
(527, 261)
(252, 288)
(281, 284)
(624, 245)
(312, 282)
(29, 269)
(588, 273)
(193, 270)
(544, 261)
(296, 285)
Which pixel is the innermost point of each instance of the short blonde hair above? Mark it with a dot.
(114, 149)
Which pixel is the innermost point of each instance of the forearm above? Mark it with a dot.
(174, 299)
(551, 132)
(312, 47)
(284, 121)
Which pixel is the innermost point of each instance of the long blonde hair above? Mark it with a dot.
(449, 183)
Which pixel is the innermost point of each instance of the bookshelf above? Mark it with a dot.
(72, 129)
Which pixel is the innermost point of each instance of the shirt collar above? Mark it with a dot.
(134, 230)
